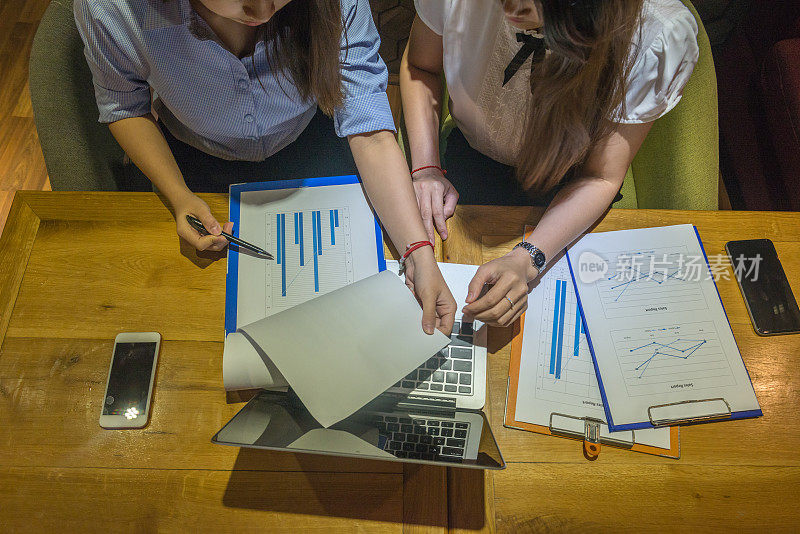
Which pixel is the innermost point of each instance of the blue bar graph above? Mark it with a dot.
(315, 233)
(554, 340)
(300, 223)
(282, 230)
(333, 227)
(278, 236)
(307, 264)
(561, 310)
(318, 219)
(578, 327)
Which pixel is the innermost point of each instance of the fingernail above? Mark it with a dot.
(428, 329)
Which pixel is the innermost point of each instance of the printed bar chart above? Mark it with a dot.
(305, 272)
(578, 331)
(565, 372)
(557, 343)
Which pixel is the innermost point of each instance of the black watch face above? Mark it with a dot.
(538, 260)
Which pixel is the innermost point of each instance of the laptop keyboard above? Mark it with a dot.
(451, 370)
(423, 439)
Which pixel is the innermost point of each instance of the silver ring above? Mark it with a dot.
(509, 301)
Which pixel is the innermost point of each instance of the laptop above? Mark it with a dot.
(432, 415)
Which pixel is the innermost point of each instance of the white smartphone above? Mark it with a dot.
(126, 403)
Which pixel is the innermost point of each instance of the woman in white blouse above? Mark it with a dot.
(552, 99)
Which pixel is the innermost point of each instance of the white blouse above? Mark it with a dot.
(479, 44)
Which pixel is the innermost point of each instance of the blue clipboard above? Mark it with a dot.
(730, 415)
(236, 190)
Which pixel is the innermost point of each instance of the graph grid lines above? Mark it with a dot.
(565, 372)
(670, 357)
(301, 272)
(670, 350)
(637, 280)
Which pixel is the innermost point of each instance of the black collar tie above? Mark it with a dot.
(532, 44)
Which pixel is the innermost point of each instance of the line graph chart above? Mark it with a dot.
(633, 275)
(312, 255)
(671, 357)
(646, 281)
(671, 350)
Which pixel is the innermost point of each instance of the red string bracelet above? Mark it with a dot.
(414, 246)
(429, 167)
(411, 248)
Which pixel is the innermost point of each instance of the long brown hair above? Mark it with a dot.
(305, 37)
(579, 88)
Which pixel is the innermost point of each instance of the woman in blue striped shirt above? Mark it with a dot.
(236, 86)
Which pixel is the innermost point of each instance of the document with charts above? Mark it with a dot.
(660, 339)
(323, 236)
(552, 386)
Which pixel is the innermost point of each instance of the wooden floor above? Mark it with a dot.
(21, 162)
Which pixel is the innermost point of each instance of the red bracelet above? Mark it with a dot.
(414, 246)
(411, 248)
(429, 167)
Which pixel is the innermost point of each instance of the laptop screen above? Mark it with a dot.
(384, 429)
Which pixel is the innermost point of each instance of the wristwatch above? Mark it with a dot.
(538, 258)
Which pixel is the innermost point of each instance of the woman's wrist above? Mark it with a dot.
(521, 256)
(421, 256)
(177, 194)
(429, 167)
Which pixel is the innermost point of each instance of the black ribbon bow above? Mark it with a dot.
(531, 45)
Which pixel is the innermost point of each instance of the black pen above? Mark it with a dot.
(198, 225)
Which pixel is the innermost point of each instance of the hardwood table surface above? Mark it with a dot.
(78, 268)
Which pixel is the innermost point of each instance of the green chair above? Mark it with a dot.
(677, 166)
(80, 153)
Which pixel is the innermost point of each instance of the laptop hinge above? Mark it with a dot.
(422, 403)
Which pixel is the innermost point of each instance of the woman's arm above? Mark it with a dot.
(143, 142)
(385, 176)
(421, 91)
(573, 210)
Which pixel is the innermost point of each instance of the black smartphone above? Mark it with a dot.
(766, 291)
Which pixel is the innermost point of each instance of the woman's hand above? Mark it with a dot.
(190, 204)
(437, 200)
(426, 282)
(507, 299)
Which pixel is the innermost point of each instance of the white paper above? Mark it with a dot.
(457, 276)
(347, 255)
(656, 323)
(329, 440)
(341, 350)
(556, 372)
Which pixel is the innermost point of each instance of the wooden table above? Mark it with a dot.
(77, 268)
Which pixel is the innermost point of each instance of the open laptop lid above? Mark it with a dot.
(389, 428)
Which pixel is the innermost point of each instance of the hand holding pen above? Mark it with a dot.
(198, 225)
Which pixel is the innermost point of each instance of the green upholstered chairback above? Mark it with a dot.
(677, 166)
(80, 153)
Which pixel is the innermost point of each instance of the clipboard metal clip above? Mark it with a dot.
(689, 411)
(588, 430)
(591, 438)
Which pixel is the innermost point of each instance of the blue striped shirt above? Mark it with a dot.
(236, 109)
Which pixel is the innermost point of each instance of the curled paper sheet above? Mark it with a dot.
(338, 351)
(245, 366)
